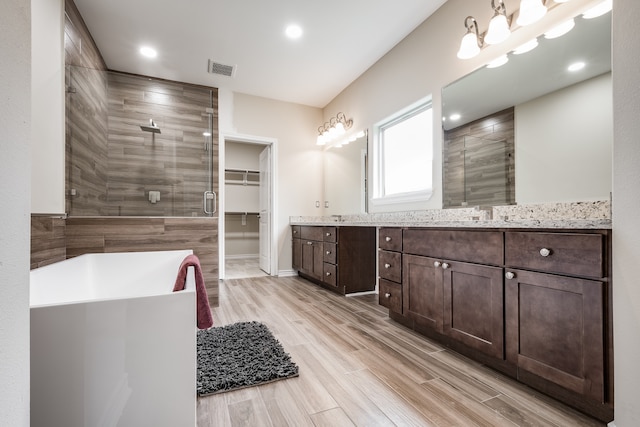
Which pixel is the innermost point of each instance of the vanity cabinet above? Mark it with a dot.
(556, 316)
(341, 259)
(462, 300)
(390, 269)
(533, 304)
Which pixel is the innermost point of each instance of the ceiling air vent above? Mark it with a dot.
(221, 69)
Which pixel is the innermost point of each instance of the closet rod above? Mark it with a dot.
(242, 171)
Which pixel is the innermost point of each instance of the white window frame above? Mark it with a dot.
(379, 197)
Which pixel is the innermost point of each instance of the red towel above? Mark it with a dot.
(203, 311)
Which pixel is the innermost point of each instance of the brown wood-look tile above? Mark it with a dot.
(331, 418)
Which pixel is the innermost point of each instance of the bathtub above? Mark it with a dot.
(111, 344)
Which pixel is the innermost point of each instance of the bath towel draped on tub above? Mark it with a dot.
(203, 311)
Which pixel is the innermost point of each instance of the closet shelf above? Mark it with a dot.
(241, 177)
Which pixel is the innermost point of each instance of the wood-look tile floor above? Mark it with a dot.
(359, 368)
(242, 268)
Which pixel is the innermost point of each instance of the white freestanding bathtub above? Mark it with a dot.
(111, 344)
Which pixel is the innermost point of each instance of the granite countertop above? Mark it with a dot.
(576, 215)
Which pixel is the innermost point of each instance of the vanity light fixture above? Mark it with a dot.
(560, 30)
(471, 44)
(498, 62)
(499, 26)
(531, 11)
(335, 127)
(598, 10)
(527, 47)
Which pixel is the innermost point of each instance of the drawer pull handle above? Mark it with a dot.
(328, 273)
(545, 252)
(387, 295)
(510, 275)
(309, 243)
(387, 239)
(328, 252)
(437, 264)
(445, 265)
(387, 266)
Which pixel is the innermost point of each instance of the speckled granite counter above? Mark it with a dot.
(580, 215)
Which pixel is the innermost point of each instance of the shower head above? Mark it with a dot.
(151, 127)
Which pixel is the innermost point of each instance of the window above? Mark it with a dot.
(403, 152)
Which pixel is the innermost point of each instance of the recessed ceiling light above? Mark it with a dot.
(454, 117)
(576, 66)
(149, 52)
(293, 31)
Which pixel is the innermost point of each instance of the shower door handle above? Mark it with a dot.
(209, 195)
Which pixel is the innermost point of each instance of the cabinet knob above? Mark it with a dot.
(437, 264)
(328, 252)
(510, 275)
(445, 265)
(387, 295)
(328, 234)
(545, 252)
(295, 231)
(309, 243)
(387, 266)
(328, 273)
(387, 239)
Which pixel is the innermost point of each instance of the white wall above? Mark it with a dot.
(299, 172)
(573, 161)
(47, 113)
(15, 113)
(423, 63)
(626, 209)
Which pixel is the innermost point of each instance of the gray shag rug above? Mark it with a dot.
(240, 355)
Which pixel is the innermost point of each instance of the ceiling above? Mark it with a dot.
(341, 40)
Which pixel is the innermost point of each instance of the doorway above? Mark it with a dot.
(247, 204)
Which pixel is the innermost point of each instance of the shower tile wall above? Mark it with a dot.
(48, 244)
(117, 234)
(477, 170)
(174, 162)
(86, 119)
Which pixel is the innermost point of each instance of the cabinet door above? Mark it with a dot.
(422, 290)
(473, 306)
(297, 254)
(312, 258)
(555, 329)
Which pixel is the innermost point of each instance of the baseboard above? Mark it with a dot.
(287, 273)
(242, 256)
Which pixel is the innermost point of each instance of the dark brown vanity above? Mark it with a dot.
(534, 304)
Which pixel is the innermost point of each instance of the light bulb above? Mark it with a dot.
(498, 29)
(530, 12)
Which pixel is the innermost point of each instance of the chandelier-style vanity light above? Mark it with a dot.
(471, 42)
(500, 25)
(334, 128)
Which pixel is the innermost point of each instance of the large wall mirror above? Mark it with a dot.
(531, 130)
(345, 178)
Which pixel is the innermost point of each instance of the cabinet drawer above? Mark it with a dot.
(574, 254)
(390, 239)
(330, 234)
(330, 252)
(390, 295)
(311, 233)
(330, 276)
(390, 265)
(481, 247)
